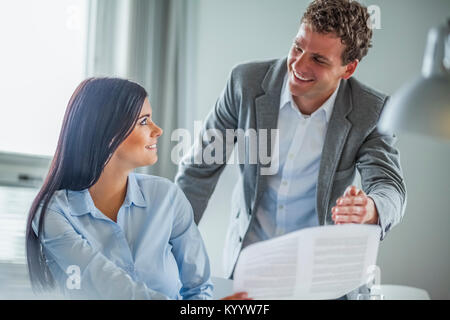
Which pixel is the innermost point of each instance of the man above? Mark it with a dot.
(327, 129)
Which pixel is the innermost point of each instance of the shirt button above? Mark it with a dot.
(284, 183)
(280, 207)
(291, 156)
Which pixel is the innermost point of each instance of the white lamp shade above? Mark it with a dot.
(423, 105)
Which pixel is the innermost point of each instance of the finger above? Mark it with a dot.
(348, 201)
(344, 219)
(350, 191)
(354, 191)
(242, 294)
(238, 296)
(358, 210)
(348, 218)
(347, 191)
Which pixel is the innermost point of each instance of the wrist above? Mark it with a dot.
(373, 209)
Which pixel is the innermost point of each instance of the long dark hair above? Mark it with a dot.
(101, 113)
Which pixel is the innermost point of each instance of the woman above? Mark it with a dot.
(98, 230)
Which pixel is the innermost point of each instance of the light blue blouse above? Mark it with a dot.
(154, 251)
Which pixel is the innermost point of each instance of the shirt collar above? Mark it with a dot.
(327, 106)
(134, 193)
(286, 96)
(81, 202)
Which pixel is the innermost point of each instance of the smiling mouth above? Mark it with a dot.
(300, 78)
(151, 147)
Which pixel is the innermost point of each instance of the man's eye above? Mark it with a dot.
(298, 49)
(318, 60)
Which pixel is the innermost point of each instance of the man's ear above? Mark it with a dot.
(350, 69)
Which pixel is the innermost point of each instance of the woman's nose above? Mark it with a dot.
(156, 131)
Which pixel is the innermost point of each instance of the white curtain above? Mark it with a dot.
(150, 42)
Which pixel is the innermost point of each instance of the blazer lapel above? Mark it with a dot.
(335, 139)
(267, 108)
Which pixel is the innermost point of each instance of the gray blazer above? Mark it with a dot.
(251, 99)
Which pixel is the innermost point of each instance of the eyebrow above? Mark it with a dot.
(316, 55)
(145, 115)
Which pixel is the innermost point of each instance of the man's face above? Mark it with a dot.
(315, 65)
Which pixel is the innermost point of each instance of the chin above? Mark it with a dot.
(153, 161)
(147, 162)
(300, 91)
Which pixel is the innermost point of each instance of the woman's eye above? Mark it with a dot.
(143, 122)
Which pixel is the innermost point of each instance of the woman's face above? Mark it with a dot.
(139, 148)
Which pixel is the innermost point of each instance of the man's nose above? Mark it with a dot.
(300, 63)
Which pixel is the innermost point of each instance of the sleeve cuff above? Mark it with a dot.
(383, 216)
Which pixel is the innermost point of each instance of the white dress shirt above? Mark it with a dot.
(289, 202)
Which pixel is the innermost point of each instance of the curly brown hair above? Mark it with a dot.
(348, 19)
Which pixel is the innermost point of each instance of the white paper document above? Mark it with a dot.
(324, 262)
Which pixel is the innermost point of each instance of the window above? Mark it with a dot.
(42, 62)
(43, 59)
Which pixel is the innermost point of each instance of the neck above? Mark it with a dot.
(308, 105)
(109, 192)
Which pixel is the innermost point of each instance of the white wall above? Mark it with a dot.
(234, 31)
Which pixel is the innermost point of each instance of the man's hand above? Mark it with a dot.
(354, 207)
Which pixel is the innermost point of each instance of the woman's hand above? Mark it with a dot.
(238, 296)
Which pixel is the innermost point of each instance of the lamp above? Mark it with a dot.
(423, 105)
